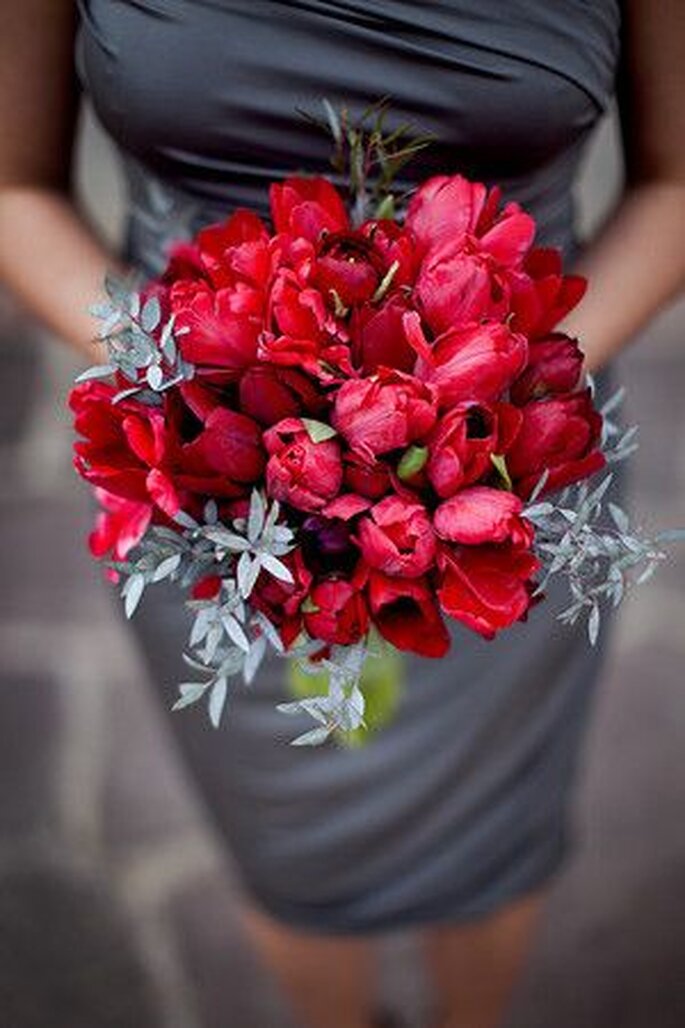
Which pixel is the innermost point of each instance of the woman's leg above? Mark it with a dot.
(329, 980)
(475, 965)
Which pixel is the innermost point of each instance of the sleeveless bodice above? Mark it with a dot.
(202, 95)
(461, 803)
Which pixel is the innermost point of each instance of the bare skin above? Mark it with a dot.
(53, 262)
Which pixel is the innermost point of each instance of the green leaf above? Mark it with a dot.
(386, 208)
(411, 462)
(318, 431)
(333, 121)
(500, 465)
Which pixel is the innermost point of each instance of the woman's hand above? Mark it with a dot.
(48, 256)
(637, 263)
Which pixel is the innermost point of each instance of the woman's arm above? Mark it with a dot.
(637, 263)
(48, 256)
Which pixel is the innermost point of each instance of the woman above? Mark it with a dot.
(455, 818)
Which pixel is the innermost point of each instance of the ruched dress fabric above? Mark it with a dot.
(463, 802)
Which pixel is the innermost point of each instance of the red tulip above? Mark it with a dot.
(300, 472)
(396, 537)
(458, 286)
(483, 515)
(541, 295)
(560, 434)
(554, 366)
(463, 443)
(406, 614)
(269, 394)
(478, 362)
(385, 412)
(336, 612)
(281, 601)
(307, 207)
(447, 210)
(214, 328)
(236, 250)
(443, 209)
(119, 526)
(229, 444)
(379, 339)
(368, 477)
(487, 588)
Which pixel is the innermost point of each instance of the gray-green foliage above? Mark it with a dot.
(589, 540)
(142, 349)
(227, 637)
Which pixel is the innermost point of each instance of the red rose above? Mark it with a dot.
(378, 337)
(269, 394)
(561, 434)
(215, 330)
(463, 442)
(299, 471)
(406, 614)
(385, 412)
(483, 515)
(336, 612)
(487, 588)
(307, 207)
(541, 295)
(478, 362)
(397, 538)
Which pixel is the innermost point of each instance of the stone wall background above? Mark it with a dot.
(117, 904)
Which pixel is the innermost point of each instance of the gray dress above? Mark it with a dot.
(462, 803)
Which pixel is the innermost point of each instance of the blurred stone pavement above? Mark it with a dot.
(118, 906)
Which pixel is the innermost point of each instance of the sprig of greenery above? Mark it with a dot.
(368, 157)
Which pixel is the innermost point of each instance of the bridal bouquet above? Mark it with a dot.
(345, 428)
